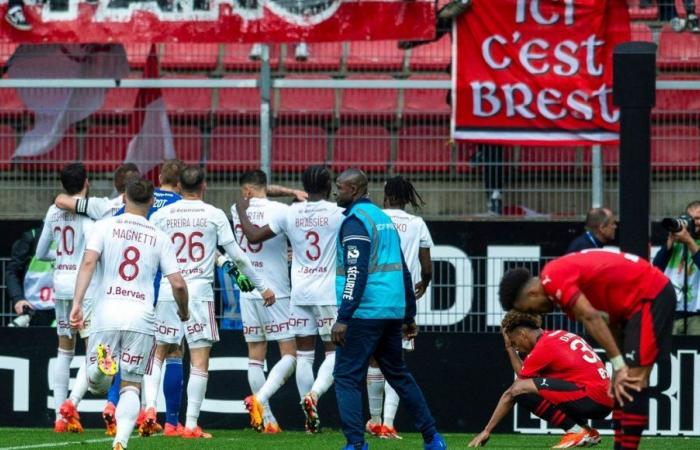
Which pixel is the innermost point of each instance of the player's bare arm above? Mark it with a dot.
(597, 327)
(426, 271)
(87, 269)
(180, 294)
(254, 234)
(66, 202)
(275, 190)
(513, 356)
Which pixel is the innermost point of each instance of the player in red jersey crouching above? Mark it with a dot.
(561, 380)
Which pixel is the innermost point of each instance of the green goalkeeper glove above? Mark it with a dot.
(242, 281)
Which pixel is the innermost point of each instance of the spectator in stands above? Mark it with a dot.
(15, 15)
(600, 230)
(680, 261)
(29, 281)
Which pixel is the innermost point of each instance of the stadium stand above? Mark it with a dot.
(237, 103)
(642, 13)
(377, 103)
(365, 147)
(193, 56)
(306, 104)
(432, 57)
(678, 50)
(187, 141)
(234, 149)
(423, 149)
(375, 56)
(236, 57)
(105, 147)
(63, 152)
(297, 147)
(325, 56)
(8, 142)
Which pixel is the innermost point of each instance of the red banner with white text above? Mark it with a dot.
(538, 72)
(265, 21)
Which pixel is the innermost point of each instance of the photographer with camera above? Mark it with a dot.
(680, 261)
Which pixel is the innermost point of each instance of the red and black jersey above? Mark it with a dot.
(566, 356)
(614, 282)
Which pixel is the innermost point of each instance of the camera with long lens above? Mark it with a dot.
(676, 224)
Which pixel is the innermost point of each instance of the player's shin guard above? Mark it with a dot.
(126, 414)
(277, 377)
(80, 386)
(305, 372)
(635, 416)
(196, 388)
(617, 426)
(61, 376)
(324, 379)
(151, 384)
(375, 393)
(391, 404)
(172, 389)
(545, 410)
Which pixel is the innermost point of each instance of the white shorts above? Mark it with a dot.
(265, 323)
(308, 320)
(200, 331)
(63, 307)
(133, 350)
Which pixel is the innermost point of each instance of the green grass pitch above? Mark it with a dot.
(30, 438)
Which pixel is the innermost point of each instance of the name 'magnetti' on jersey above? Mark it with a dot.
(312, 228)
(69, 231)
(194, 228)
(269, 258)
(132, 250)
(414, 235)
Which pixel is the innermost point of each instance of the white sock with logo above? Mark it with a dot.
(126, 414)
(391, 404)
(277, 377)
(196, 388)
(256, 375)
(151, 383)
(81, 384)
(305, 372)
(324, 379)
(61, 376)
(375, 393)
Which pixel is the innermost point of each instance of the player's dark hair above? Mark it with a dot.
(255, 177)
(401, 192)
(317, 180)
(595, 218)
(192, 178)
(139, 191)
(73, 177)
(170, 171)
(511, 284)
(514, 319)
(125, 173)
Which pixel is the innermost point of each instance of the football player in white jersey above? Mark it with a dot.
(312, 228)
(100, 207)
(131, 250)
(262, 324)
(195, 228)
(69, 232)
(416, 243)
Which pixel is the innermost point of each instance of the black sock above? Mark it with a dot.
(617, 426)
(635, 417)
(545, 410)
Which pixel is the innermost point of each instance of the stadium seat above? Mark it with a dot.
(296, 148)
(678, 50)
(426, 103)
(375, 55)
(234, 149)
(118, 103)
(369, 102)
(188, 143)
(322, 56)
(10, 103)
(6, 50)
(8, 143)
(136, 54)
(189, 56)
(638, 13)
(189, 102)
(433, 56)
(423, 149)
(364, 147)
(237, 102)
(672, 104)
(105, 147)
(680, 8)
(675, 148)
(547, 159)
(64, 152)
(236, 57)
(311, 104)
(641, 32)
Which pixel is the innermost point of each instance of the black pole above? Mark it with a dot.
(634, 75)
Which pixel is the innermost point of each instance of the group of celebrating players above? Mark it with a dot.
(133, 276)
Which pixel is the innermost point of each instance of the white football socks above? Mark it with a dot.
(151, 383)
(305, 372)
(375, 393)
(126, 414)
(80, 386)
(324, 379)
(196, 388)
(256, 375)
(391, 404)
(61, 375)
(276, 378)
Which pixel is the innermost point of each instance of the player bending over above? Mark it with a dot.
(130, 250)
(561, 380)
(636, 298)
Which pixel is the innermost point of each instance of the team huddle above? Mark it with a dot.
(134, 278)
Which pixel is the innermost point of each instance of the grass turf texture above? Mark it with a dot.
(27, 438)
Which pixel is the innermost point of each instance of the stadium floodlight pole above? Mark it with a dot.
(634, 75)
(265, 90)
